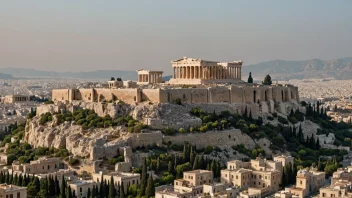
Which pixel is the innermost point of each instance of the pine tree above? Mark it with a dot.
(101, 187)
(267, 80)
(112, 191)
(150, 187)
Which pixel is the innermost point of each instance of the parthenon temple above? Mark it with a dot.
(197, 71)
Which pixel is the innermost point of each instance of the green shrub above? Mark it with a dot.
(182, 130)
(73, 161)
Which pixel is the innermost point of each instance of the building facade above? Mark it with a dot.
(12, 191)
(198, 71)
(41, 166)
(149, 77)
(258, 174)
(120, 178)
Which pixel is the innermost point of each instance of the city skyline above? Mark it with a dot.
(87, 35)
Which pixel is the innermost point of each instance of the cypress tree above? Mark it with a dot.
(191, 156)
(122, 191)
(185, 153)
(250, 79)
(195, 163)
(317, 144)
(19, 180)
(101, 187)
(63, 188)
(7, 178)
(15, 178)
(89, 194)
(68, 192)
(106, 189)
(51, 186)
(57, 186)
(157, 168)
(150, 187)
(143, 177)
(170, 167)
(112, 191)
(43, 193)
(245, 114)
(24, 180)
(93, 195)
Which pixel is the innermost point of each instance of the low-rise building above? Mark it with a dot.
(12, 191)
(43, 165)
(307, 181)
(263, 175)
(120, 178)
(9, 99)
(285, 160)
(193, 181)
(341, 189)
(81, 187)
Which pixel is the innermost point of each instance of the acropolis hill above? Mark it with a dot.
(208, 82)
(212, 87)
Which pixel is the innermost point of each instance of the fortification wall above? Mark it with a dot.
(236, 94)
(152, 95)
(129, 96)
(214, 138)
(60, 94)
(219, 94)
(84, 94)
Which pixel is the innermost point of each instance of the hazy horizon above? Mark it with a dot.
(86, 35)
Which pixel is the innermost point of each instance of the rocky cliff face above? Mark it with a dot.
(68, 136)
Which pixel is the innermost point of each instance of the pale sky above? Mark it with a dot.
(86, 35)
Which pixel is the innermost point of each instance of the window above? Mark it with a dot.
(300, 182)
(80, 189)
(48, 167)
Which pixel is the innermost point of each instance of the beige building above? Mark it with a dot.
(285, 160)
(193, 181)
(341, 174)
(149, 77)
(81, 187)
(9, 99)
(43, 165)
(341, 189)
(259, 175)
(66, 173)
(12, 191)
(307, 181)
(197, 183)
(120, 178)
(198, 71)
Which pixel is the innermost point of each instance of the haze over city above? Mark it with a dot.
(128, 35)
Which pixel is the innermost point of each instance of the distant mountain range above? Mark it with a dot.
(99, 74)
(6, 76)
(278, 70)
(314, 68)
